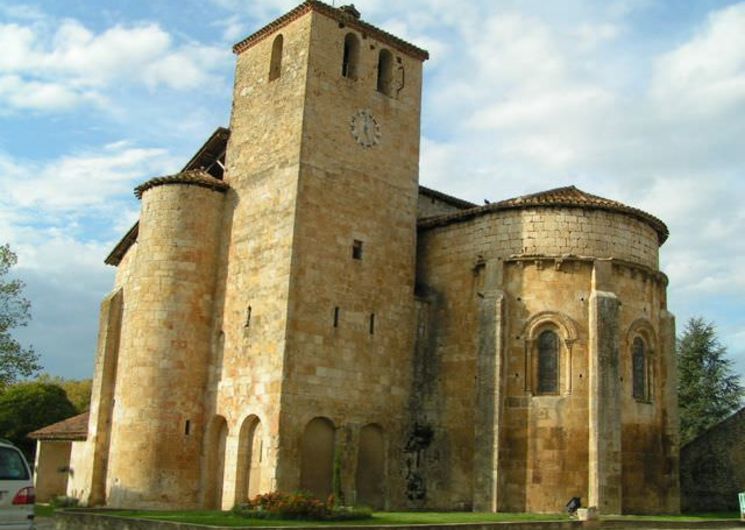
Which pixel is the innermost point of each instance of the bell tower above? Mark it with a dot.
(318, 268)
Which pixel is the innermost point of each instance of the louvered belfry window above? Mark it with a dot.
(548, 363)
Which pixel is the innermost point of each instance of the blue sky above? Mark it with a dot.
(642, 101)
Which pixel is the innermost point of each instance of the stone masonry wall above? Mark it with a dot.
(354, 373)
(250, 324)
(578, 231)
(51, 469)
(648, 438)
(158, 420)
(541, 445)
(712, 467)
(428, 206)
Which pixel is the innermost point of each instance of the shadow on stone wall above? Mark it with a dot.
(712, 467)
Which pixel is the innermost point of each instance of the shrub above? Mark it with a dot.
(64, 502)
(299, 505)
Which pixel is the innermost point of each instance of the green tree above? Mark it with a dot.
(708, 389)
(15, 311)
(25, 407)
(78, 390)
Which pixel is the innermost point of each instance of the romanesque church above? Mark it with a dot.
(294, 311)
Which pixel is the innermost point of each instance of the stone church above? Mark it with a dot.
(294, 311)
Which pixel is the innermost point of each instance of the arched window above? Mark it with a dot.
(351, 57)
(275, 67)
(548, 362)
(639, 367)
(385, 72)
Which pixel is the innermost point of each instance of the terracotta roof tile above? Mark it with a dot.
(75, 428)
(343, 16)
(568, 196)
(194, 177)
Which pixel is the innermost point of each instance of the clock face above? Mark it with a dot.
(365, 128)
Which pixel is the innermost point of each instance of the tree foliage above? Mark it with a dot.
(26, 407)
(78, 390)
(708, 389)
(15, 311)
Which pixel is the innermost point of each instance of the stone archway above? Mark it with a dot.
(250, 459)
(370, 479)
(217, 435)
(317, 457)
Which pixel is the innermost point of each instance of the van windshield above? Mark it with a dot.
(12, 466)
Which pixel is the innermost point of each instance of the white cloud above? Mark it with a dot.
(59, 69)
(65, 279)
(520, 95)
(62, 217)
(525, 108)
(72, 183)
(36, 95)
(233, 29)
(531, 109)
(707, 74)
(590, 35)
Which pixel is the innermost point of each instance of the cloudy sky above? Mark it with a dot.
(642, 101)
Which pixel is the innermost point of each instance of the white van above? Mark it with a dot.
(17, 495)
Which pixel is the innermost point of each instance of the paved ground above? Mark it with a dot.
(45, 523)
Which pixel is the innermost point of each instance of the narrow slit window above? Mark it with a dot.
(639, 361)
(548, 363)
(372, 323)
(351, 56)
(275, 66)
(357, 249)
(248, 317)
(187, 427)
(385, 72)
(336, 317)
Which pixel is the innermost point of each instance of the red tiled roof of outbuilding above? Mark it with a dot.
(75, 428)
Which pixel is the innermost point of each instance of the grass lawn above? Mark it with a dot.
(379, 518)
(229, 519)
(43, 510)
(681, 517)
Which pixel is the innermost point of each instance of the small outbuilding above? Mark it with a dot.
(53, 448)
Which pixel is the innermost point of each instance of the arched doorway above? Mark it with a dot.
(370, 477)
(217, 435)
(250, 459)
(317, 457)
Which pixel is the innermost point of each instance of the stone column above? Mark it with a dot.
(671, 420)
(604, 399)
(490, 389)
